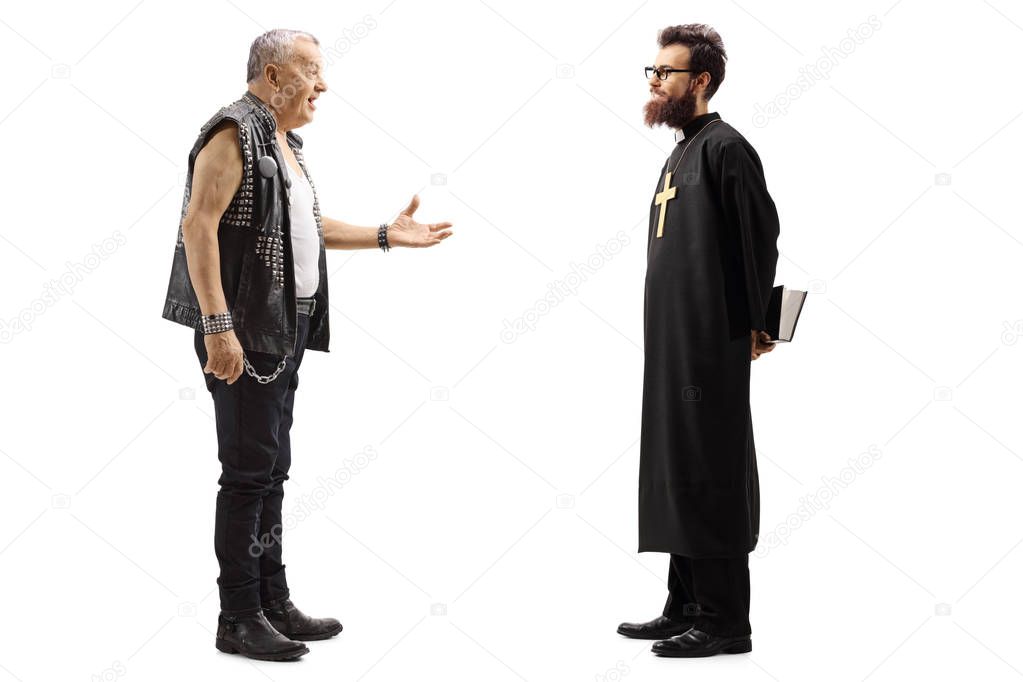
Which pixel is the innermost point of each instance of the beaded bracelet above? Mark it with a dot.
(382, 237)
(216, 323)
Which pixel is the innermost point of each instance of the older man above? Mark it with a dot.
(249, 275)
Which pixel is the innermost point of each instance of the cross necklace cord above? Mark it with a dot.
(662, 198)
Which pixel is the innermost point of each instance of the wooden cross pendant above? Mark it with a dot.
(661, 199)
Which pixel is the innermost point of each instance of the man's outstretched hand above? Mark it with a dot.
(405, 231)
(759, 343)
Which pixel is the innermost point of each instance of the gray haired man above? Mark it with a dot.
(249, 276)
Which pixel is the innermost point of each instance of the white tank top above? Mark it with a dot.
(305, 240)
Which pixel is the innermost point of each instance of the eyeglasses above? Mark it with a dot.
(662, 71)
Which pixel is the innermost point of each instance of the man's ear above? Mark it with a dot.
(703, 82)
(272, 75)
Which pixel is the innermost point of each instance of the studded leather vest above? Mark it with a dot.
(256, 264)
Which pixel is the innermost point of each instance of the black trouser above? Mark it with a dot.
(712, 594)
(254, 447)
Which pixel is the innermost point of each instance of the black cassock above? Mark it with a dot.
(709, 279)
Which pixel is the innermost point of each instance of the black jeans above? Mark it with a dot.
(254, 447)
(712, 594)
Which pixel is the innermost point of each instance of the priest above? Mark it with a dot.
(711, 259)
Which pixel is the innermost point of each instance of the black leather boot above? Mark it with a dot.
(253, 636)
(291, 622)
(661, 627)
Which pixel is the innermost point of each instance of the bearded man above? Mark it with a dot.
(711, 261)
(249, 276)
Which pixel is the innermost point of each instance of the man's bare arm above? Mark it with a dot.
(341, 235)
(216, 177)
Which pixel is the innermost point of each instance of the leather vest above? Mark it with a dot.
(257, 268)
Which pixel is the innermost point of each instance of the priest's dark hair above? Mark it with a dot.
(707, 51)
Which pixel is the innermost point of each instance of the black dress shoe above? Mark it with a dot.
(695, 643)
(253, 636)
(661, 627)
(291, 622)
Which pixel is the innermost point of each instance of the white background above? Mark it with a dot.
(493, 536)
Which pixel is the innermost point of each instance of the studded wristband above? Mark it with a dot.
(216, 323)
(382, 237)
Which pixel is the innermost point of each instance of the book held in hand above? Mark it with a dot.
(783, 313)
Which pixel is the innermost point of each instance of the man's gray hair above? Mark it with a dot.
(273, 47)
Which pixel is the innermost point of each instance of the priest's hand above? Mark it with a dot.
(407, 232)
(759, 343)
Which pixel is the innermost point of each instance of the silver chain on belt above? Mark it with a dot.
(280, 367)
(261, 379)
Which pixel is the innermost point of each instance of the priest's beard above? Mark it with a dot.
(673, 112)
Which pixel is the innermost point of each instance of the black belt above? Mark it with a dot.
(306, 305)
